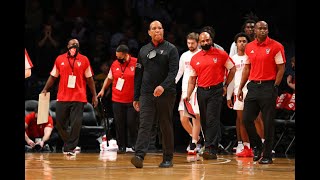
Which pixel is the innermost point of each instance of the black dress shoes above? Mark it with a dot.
(137, 161)
(256, 154)
(210, 153)
(166, 164)
(266, 160)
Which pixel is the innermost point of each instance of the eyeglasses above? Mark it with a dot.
(152, 54)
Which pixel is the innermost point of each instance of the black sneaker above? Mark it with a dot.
(222, 150)
(256, 153)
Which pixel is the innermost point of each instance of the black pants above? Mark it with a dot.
(125, 117)
(152, 108)
(210, 103)
(260, 97)
(69, 112)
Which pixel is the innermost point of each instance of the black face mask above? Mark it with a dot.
(206, 47)
(121, 61)
(77, 50)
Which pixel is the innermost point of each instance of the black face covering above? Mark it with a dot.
(206, 47)
(77, 49)
(121, 61)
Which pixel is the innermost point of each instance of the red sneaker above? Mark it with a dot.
(246, 152)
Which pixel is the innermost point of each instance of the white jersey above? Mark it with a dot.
(184, 68)
(233, 49)
(233, 87)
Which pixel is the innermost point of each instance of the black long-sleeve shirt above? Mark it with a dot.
(159, 70)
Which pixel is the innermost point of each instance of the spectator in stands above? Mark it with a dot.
(39, 137)
(47, 48)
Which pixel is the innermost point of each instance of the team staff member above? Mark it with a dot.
(42, 131)
(121, 75)
(155, 93)
(264, 68)
(75, 72)
(208, 69)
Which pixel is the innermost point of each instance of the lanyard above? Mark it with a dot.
(124, 68)
(70, 64)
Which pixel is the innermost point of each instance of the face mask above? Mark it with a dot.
(71, 50)
(121, 61)
(206, 47)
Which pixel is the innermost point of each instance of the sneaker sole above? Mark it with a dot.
(71, 154)
(192, 152)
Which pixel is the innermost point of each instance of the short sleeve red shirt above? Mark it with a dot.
(210, 66)
(125, 71)
(35, 130)
(65, 67)
(264, 58)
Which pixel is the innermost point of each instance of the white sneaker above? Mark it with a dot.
(108, 156)
(188, 148)
(77, 150)
(239, 148)
(112, 145)
(73, 152)
(129, 149)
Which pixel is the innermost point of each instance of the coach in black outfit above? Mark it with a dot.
(155, 93)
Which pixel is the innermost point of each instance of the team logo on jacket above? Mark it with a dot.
(215, 60)
(132, 68)
(161, 51)
(79, 64)
(267, 50)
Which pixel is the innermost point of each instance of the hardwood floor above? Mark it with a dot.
(110, 165)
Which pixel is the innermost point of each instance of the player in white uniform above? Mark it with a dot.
(184, 70)
(241, 40)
